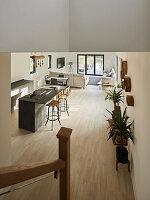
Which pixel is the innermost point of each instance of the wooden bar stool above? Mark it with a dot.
(53, 115)
(63, 103)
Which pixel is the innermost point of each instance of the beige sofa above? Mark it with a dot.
(75, 80)
(108, 80)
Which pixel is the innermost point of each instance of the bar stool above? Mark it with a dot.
(53, 115)
(63, 103)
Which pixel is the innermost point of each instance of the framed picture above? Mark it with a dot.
(49, 61)
(60, 62)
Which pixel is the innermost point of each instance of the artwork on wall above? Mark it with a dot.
(38, 60)
(60, 62)
(49, 61)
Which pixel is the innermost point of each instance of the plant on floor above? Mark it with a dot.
(120, 129)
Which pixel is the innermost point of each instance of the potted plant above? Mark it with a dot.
(120, 128)
(119, 86)
(115, 96)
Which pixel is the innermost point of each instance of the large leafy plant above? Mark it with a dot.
(119, 126)
(115, 95)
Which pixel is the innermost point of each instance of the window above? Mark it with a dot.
(49, 61)
(32, 66)
(90, 64)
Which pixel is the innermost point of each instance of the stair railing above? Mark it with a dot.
(16, 174)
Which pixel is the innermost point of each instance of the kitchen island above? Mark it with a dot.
(32, 109)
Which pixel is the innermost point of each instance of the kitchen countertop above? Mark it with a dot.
(43, 95)
(19, 83)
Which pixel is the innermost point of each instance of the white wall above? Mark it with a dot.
(109, 60)
(20, 65)
(30, 25)
(139, 71)
(109, 25)
(5, 149)
(20, 68)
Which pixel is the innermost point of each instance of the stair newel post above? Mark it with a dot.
(64, 154)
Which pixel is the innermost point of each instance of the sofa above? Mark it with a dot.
(108, 80)
(75, 80)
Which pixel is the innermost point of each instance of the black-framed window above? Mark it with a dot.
(32, 66)
(90, 64)
(49, 61)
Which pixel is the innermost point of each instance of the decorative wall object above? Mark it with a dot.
(60, 62)
(130, 100)
(38, 60)
(123, 84)
(122, 74)
(124, 67)
(49, 61)
(127, 83)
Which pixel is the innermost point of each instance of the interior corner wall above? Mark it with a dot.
(110, 26)
(5, 109)
(139, 71)
(33, 26)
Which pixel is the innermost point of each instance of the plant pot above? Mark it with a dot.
(117, 110)
(121, 154)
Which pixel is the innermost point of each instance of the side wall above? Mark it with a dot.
(5, 70)
(139, 70)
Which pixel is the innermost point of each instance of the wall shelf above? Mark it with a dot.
(127, 83)
(124, 67)
(130, 100)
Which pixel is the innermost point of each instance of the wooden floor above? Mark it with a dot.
(93, 174)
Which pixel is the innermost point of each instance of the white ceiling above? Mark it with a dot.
(74, 25)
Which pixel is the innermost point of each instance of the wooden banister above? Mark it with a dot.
(64, 153)
(16, 174)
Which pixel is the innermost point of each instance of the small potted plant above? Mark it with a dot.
(119, 86)
(121, 130)
(115, 96)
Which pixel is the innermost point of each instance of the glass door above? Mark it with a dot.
(81, 64)
(90, 65)
(99, 65)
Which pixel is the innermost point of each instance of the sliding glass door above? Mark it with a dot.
(99, 65)
(81, 64)
(90, 64)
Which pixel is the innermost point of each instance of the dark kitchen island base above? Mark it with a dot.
(31, 115)
(32, 109)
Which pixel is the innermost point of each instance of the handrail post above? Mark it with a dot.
(64, 154)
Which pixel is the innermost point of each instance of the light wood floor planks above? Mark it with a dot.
(93, 174)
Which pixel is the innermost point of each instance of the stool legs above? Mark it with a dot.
(58, 114)
(53, 117)
(66, 106)
(47, 116)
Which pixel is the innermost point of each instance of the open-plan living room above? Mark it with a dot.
(74, 82)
